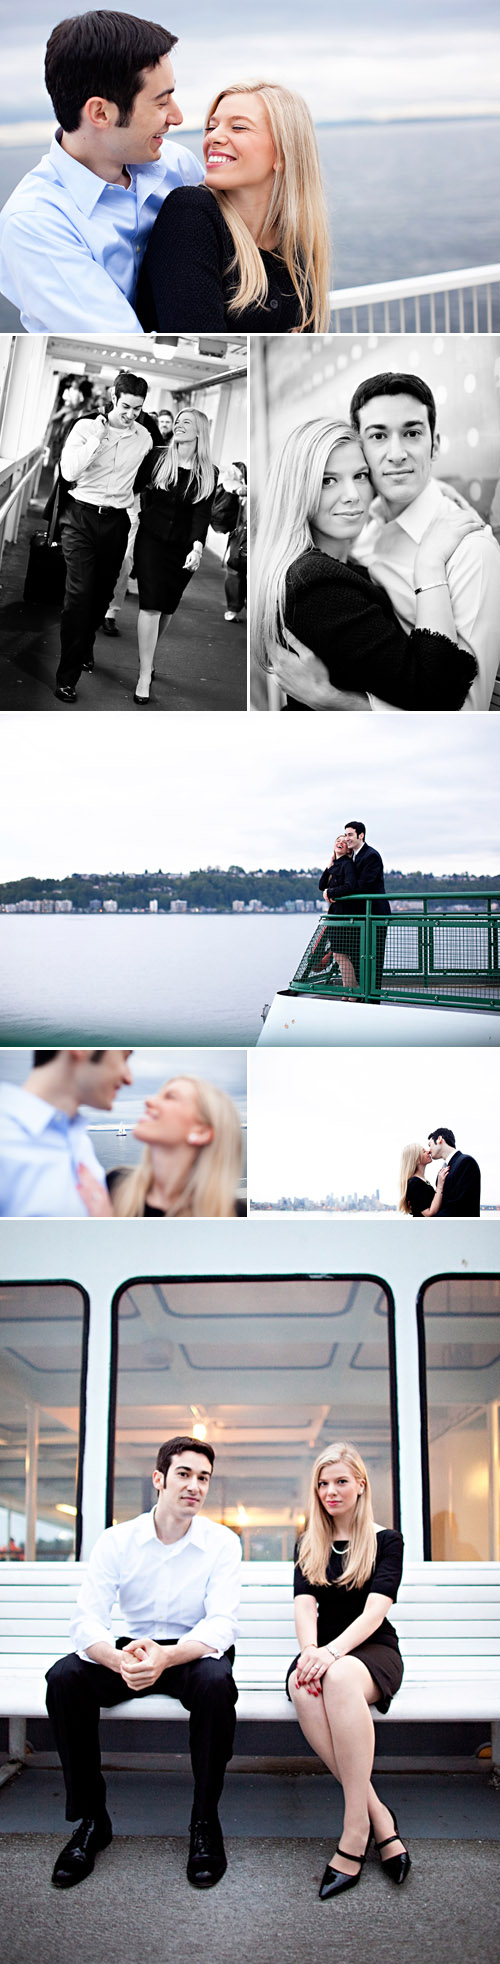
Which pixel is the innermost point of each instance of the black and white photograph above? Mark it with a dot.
(376, 508)
(123, 524)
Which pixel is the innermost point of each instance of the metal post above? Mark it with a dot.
(494, 1482)
(368, 991)
(31, 1469)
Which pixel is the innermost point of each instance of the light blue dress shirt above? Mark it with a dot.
(40, 1151)
(71, 245)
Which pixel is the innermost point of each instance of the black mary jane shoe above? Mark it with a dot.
(76, 1860)
(142, 700)
(207, 1856)
(65, 693)
(396, 1866)
(334, 1882)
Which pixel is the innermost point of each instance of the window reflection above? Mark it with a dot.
(269, 1370)
(41, 1350)
(461, 1318)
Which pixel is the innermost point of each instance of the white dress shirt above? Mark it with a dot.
(40, 1151)
(388, 548)
(71, 245)
(101, 466)
(184, 1588)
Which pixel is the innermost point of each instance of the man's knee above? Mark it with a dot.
(66, 1676)
(212, 1679)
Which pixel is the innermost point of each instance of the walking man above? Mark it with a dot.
(100, 462)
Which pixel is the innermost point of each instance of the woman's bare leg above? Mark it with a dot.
(314, 1722)
(347, 971)
(148, 626)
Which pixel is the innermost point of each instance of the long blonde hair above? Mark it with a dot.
(409, 1161)
(315, 1546)
(284, 532)
(166, 469)
(212, 1182)
(296, 212)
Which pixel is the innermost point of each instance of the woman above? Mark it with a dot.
(249, 248)
(347, 1575)
(192, 1159)
(175, 517)
(317, 500)
(416, 1196)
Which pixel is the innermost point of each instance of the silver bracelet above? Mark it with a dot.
(335, 1654)
(430, 588)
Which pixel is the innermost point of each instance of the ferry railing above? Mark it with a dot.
(18, 483)
(461, 302)
(423, 952)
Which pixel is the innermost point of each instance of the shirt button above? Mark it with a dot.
(137, 248)
(273, 303)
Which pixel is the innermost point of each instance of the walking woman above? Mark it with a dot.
(347, 1576)
(175, 516)
(248, 249)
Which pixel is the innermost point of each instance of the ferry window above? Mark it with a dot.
(459, 1318)
(269, 1370)
(43, 1346)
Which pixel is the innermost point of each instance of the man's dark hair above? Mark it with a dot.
(41, 1057)
(126, 384)
(394, 385)
(356, 825)
(443, 1132)
(101, 54)
(173, 1448)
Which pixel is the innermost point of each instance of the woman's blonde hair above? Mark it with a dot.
(212, 1182)
(409, 1161)
(166, 469)
(296, 213)
(315, 1546)
(284, 531)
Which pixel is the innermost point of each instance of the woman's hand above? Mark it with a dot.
(442, 1176)
(440, 541)
(311, 1667)
(95, 1197)
(193, 560)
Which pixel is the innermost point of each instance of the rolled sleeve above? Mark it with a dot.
(80, 447)
(218, 1628)
(91, 1620)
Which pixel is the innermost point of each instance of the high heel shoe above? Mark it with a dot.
(334, 1882)
(141, 700)
(396, 1866)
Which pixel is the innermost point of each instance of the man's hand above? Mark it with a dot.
(143, 1661)
(304, 676)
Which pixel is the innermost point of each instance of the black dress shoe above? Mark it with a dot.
(76, 1860)
(110, 627)
(396, 1866)
(207, 1856)
(88, 666)
(334, 1882)
(65, 693)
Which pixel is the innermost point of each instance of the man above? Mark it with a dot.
(165, 422)
(462, 1187)
(43, 1137)
(395, 416)
(100, 462)
(364, 874)
(73, 233)
(178, 1583)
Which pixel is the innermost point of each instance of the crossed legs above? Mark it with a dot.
(339, 1727)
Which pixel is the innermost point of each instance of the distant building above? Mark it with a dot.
(66, 906)
(178, 906)
(110, 906)
(153, 906)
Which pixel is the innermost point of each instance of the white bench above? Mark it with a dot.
(447, 1618)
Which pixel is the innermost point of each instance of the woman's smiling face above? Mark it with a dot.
(238, 146)
(346, 494)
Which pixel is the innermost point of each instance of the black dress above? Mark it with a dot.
(339, 612)
(338, 1608)
(185, 283)
(419, 1194)
(170, 523)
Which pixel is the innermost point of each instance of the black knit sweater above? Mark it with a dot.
(185, 284)
(338, 611)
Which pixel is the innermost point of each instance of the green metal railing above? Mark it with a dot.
(422, 952)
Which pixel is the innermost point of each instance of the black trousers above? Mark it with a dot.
(76, 1691)
(94, 542)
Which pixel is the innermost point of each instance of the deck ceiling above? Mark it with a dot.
(177, 363)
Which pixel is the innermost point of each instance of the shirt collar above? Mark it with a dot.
(147, 1532)
(416, 516)
(85, 187)
(34, 1113)
(450, 1155)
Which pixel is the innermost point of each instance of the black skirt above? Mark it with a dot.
(160, 574)
(384, 1663)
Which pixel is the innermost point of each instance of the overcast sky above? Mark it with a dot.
(335, 1121)
(112, 794)
(391, 58)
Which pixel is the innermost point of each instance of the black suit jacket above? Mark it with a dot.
(462, 1188)
(364, 875)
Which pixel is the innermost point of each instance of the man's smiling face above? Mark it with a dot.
(154, 112)
(398, 446)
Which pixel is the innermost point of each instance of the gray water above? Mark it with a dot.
(142, 979)
(402, 198)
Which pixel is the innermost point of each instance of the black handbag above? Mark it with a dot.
(46, 570)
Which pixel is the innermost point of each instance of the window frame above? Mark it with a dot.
(443, 1275)
(68, 1282)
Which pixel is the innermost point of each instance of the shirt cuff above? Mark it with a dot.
(216, 1631)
